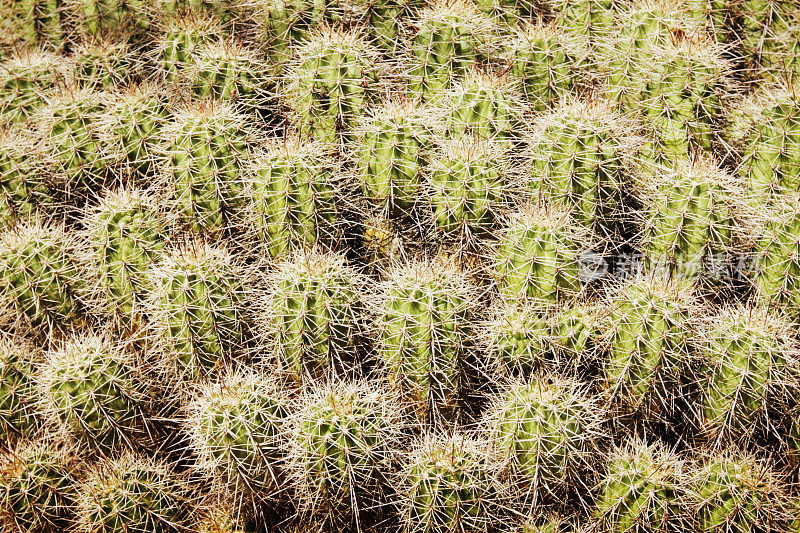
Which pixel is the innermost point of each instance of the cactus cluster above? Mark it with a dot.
(399, 266)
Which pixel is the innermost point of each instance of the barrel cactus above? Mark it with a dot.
(468, 179)
(548, 62)
(424, 310)
(648, 324)
(41, 22)
(131, 493)
(547, 430)
(335, 75)
(184, 35)
(643, 490)
(518, 337)
(692, 218)
(451, 483)
(538, 254)
(206, 146)
(747, 375)
(576, 157)
(312, 312)
(394, 145)
(98, 17)
(739, 492)
(93, 391)
(37, 487)
(448, 37)
(342, 442)
(104, 64)
(236, 425)
(25, 181)
(25, 78)
(293, 188)
(197, 298)
(229, 71)
(41, 278)
(126, 233)
(596, 19)
(18, 409)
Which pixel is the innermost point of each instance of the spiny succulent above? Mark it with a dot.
(549, 62)
(185, 34)
(205, 148)
(644, 489)
(313, 314)
(131, 494)
(334, 76)
(126, 233)
(41, 22)
(576, 157)
(468, 180)
(25, 78)
(342, 443)
(538, 254)
(18, 413)
(25, 180)
(197, 304)
(691, 218)
(294, 189)
(647, 330)
(764, 28)
(424, 311)
(518, 337)
(450, 482)
(93, 391)
(37, 487)
(740, 492)
(41, 278)
(547, 429)
(596, 19)
(747, 375)
(104, 64)
(115, 17)
(449, 37)
(237, 427)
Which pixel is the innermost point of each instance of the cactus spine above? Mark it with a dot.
(92, 391)
(185, 35)
(25, 184)
(313, 313)
(17, 390)
(197, 302)
(104, 64)
(25, 78)
(294, 188)
(230, 72)
(518, 336)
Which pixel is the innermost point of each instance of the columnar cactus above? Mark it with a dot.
(468, 179)
(229, 71)
(197, 301)
(293, 189)
(343, 439)
(37, 487)
(765, 25)
(131, 129)
(424, 311)
(747, 375)
(518, 337)
(771, 152)
(133, 494)
(691, 218)
(575, 330)
(449, 37)
(40, 277)
(594, 18)
(126, 234)
(313, 313)
(184, 36)
(576, 158)
(104, 64)
(739, 492)
(93, 391)
(647, 331)
(41, 22)
(547, 430)
(25, 183)
(548, 63)
(97, 17)
(394, 145)
(206, 147)
(236, 425)
(643, 490)
(450, 483)
(538, 255)
(68, 125)
(775, 261)
(25, 78)
(335, 75)
(17, 390)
